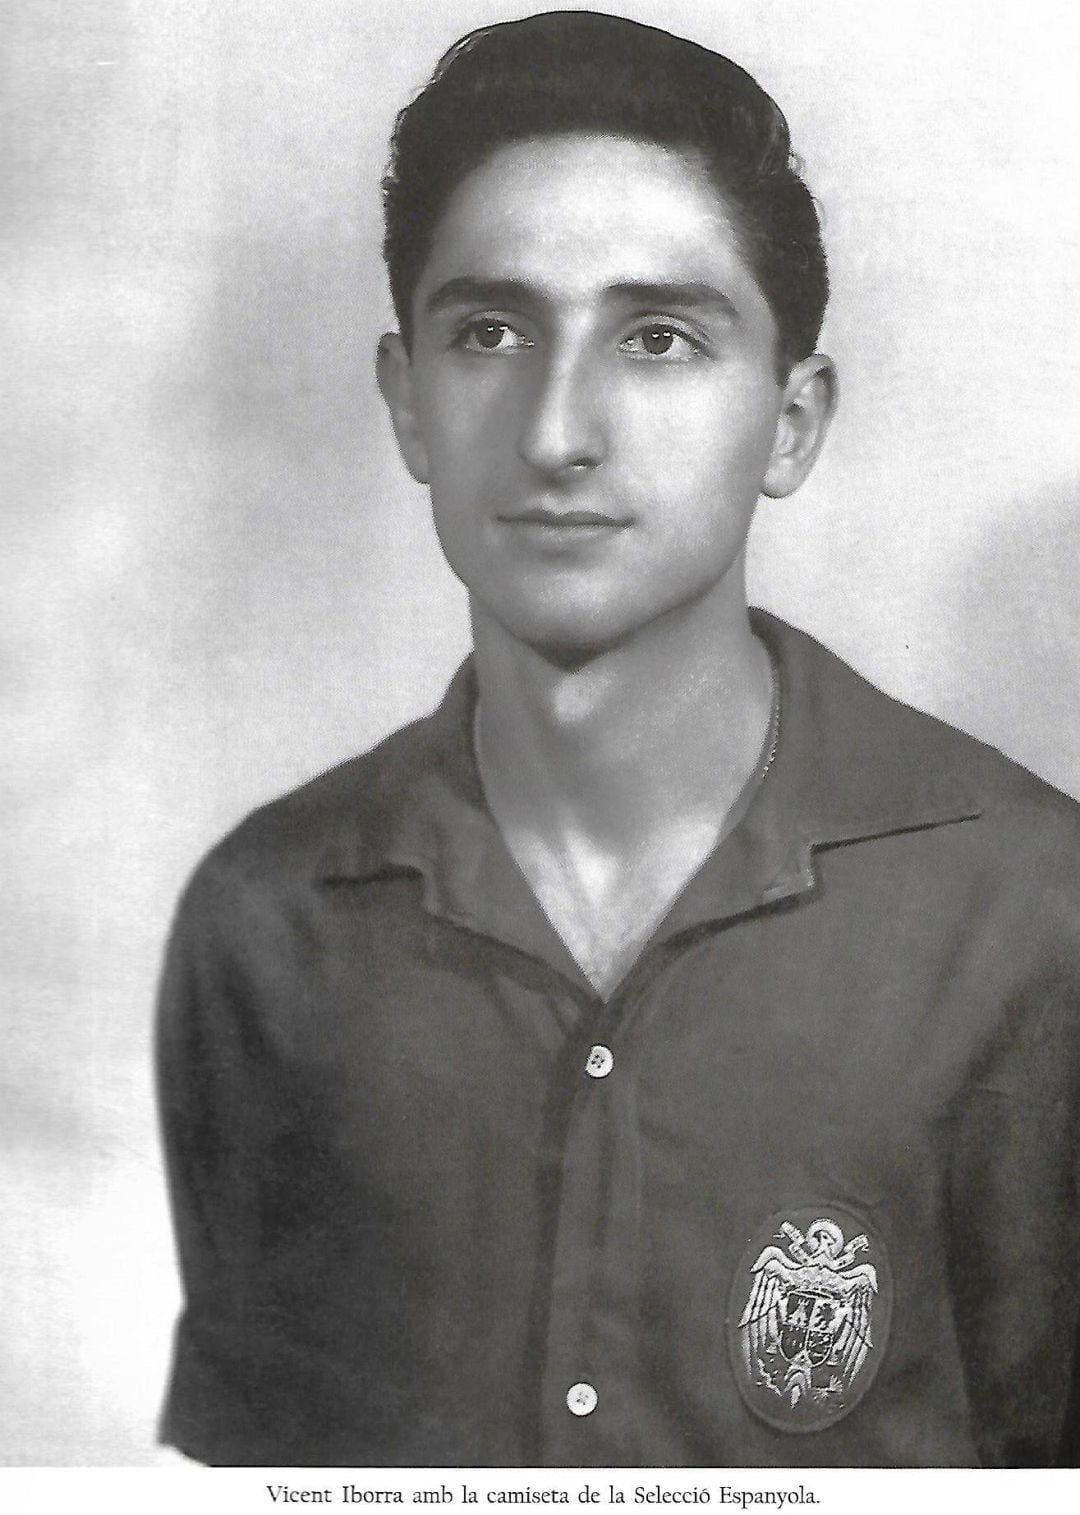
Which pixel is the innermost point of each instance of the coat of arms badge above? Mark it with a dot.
(809, 1323)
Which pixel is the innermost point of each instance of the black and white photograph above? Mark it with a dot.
(542, 661)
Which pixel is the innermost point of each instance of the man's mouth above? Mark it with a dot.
(563, 519)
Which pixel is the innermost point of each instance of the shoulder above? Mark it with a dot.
(931, 837)
(873, 752)
(341, 820)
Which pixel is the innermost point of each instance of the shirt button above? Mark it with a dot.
(581, 1399)
(600, 1062)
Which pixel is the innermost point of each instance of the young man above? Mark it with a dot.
(667, 1052)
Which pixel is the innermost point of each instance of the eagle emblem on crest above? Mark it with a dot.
(807, 1328)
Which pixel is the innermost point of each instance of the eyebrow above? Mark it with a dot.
(693, 294)
(689, 294)
(467, 290)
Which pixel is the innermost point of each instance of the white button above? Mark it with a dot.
(581, 1399)
(600, 1062)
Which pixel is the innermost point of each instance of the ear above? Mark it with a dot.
(393, 370)
(807, 407)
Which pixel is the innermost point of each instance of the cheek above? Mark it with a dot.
(695, 439)
(466, 429)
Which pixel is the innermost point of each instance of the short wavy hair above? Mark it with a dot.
(581, 71)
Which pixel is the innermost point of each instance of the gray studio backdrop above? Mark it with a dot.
(220, 579)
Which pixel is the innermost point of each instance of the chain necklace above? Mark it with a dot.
(773, 738)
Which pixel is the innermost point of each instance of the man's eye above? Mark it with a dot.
(660, 341)
(491, 336)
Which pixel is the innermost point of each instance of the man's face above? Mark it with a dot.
(592, 392)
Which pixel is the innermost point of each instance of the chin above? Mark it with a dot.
(569, 641)
(569, 656)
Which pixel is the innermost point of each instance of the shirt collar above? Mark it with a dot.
(851, 765)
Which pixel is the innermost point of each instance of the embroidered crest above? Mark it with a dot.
(811, 1319)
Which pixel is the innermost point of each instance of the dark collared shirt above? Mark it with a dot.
(802, 1192)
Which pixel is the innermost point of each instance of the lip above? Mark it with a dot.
(563, 520)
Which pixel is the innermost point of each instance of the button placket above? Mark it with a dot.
(592, 1360)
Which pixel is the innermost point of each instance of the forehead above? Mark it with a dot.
(576, 213)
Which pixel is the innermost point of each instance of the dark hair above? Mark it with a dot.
(580, 71)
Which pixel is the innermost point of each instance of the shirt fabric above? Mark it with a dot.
(439, 1204)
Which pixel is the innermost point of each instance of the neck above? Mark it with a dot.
(662, 728)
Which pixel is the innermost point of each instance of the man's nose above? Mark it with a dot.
(562, 431)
